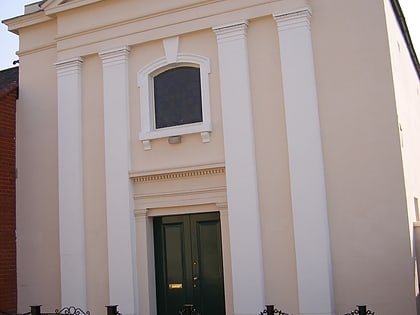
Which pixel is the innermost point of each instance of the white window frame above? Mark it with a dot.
(145, 76)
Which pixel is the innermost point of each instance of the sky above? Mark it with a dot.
(9, 42)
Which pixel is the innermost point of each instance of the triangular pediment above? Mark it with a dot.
(55, 6)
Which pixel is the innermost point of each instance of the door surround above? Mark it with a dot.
(177, 191)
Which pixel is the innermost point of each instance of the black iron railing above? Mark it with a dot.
(272, 310)
(9, 313)
(361, 310)
(188, 309)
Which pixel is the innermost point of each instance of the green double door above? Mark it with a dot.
(188, 261)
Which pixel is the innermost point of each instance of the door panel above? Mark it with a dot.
(189, 267)
(172, 269)
(207, 265)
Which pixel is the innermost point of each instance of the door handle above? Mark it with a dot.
(195, 281)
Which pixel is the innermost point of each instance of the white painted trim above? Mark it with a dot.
(119, 207)
(244, 216)
(171, 46)
(146, 265)
(19, 22)
(144, 82)
(70, 183)
(309, 202)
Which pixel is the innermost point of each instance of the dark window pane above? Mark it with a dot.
(177, 94)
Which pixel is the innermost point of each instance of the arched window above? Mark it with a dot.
(177, 97)
(174, 98)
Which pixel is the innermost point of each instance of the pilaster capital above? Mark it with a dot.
(293, 19)
(115, 56)
(68, 67)
(231, 32)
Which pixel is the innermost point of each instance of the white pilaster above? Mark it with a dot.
(70, 183)
(241, 175)
(306, 168)
(146, 266)
(120, 215)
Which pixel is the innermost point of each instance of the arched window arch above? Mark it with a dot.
(174, 98)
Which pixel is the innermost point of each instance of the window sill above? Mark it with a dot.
(147, 136)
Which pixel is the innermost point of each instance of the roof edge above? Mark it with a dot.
(18, 22)
(406, 34)
(33, 7)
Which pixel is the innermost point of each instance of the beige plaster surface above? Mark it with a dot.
(367, 90)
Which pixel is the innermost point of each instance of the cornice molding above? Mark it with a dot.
(16, 23)
(183, 198)
(192, 196)
(55, 6)
(51, 45)
(178, 175)
(169, 23)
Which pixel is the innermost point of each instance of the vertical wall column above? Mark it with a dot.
(70, 183)
(306, 168)
(241, 175)
(119, 209)
(146, 267)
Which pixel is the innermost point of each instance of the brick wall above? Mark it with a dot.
(8, 290)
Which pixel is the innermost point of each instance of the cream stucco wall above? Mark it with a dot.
(365, 183)
(407, 98)
(361, 105)
(38, 258)
(272, 165)
(94, 186)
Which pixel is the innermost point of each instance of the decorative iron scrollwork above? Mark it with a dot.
(71, 310)
(361, 310)
(271, 310)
